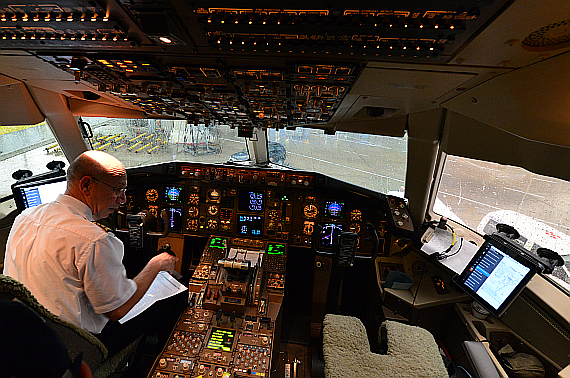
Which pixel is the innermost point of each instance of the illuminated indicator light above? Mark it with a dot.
(72, 38)
(109, 65)
(70, 18)
(83, 37)
(94, 18)
(58, 18)
(431, 48)
(251, 22)
(222, 22)
(13, 37)
(236, 21)
(105, 19)
(3, 18)
(25, 17)
(404, 47)
(93, 38)
(126, 39)
(421, 26)
(23, 37)
(33, 37)
(406, 25)
(146, 64)
(209, 21)
(417, 48)
(3, 37)
(43, 37)
(243, 42)
(452, 27)
(62, 37)
(14, 18)
(47, 18)
(52, 37)
(436, 26)
(128, 61)
(165, 40)
(129, 70)
(115, 38)
(104, 38)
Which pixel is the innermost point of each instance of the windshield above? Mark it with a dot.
(26, 147)
(374, 162)
(480, 194)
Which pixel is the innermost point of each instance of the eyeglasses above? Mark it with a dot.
(117, 191)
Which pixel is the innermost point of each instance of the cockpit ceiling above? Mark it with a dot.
(258, 64)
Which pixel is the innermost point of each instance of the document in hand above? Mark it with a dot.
(163, 286)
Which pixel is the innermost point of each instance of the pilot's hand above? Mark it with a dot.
(164, 261)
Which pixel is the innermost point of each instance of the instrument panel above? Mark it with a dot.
(251, 203)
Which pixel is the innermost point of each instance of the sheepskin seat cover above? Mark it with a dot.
(412, 351)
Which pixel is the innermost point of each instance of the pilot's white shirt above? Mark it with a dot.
(71, 265)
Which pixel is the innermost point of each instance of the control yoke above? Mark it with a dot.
(141, 224)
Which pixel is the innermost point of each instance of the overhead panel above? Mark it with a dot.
(263, 64)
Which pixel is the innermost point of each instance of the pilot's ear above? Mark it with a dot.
(85, 184)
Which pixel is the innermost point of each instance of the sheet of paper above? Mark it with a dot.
(441, 240)
(163, 286)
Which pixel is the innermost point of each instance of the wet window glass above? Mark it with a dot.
(480, 194)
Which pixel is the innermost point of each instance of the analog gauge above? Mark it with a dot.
(194, 199)
(356, 216)
(273, 215)
(213, 210)
(193, 211)
(310, 211)
(212, 224)
(213, 195)
(355, 227)
(192, 225)
(151, 195)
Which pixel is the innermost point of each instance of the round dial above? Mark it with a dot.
(193, 211)
(273, 215)
(212, 224)
(310, 211)
(355, 227)
(356, 216)
(213, 210)
(194, 199)
(192, 225)
(214, 195)
(151, 195)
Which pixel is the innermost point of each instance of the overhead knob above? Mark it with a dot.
(162, 363)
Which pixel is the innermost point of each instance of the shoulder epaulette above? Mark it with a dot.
(105, 228)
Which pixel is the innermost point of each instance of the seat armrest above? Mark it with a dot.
(480, 360)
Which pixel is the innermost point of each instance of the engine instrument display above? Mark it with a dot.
(250, 225)
(194, 199)
(213, 210)
(193, 211)
(173, 194)
(334, 209)
(251, 200)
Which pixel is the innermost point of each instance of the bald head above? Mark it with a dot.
(98, 180)
(95, 163)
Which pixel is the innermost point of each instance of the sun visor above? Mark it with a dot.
(16, 97)
(394, 127)
(473, 139)
(84, 108)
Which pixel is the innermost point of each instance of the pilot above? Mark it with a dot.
(74, 267)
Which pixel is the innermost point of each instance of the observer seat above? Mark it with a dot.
(75, 339)
(411, 351)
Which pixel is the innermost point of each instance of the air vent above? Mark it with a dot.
(551, 37)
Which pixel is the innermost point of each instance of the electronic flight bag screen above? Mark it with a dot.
(251, 200)
(496, 276)
(221, 339)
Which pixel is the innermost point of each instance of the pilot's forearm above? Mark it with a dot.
(143, 280)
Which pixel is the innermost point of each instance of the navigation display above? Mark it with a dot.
(173, 194)
(221, 339)
(496, 275)
(328, 232)
(175, 217)
(251, 200)
(250, 225)
(334, 209)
